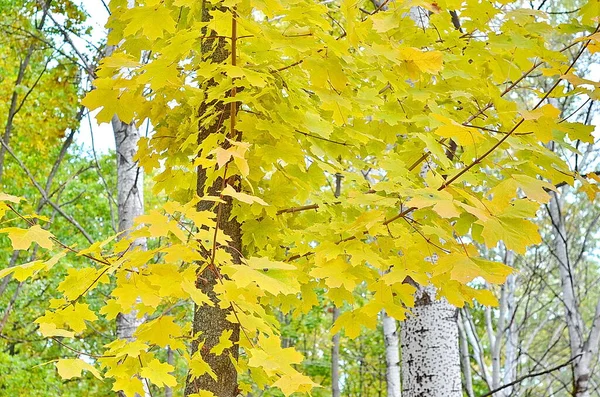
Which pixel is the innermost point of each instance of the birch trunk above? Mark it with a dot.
(465, 359)
(583, 347)
(511, 349)
(130, 202)
(392, 355)
(430, 353)
(335, 358)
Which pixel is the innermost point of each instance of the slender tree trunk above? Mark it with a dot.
(583, 347)
(130, 202)
(335, 358)
(211, 321)
(430, 353)
(14, 100)
(170, 360)
(392, 355)
(465, 359)
(511, 349)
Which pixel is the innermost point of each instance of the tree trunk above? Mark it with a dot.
(465, 359)
(430, 354)
(335, 359)
(392, 355)
(579, 346)
(130, 202)
(511, 349)
(210, 322)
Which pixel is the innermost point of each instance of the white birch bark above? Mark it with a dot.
(511, 349)
(335, 358)
(465, 359)
(130, 201)
(130, 196)
(392, 355)
(430, 351)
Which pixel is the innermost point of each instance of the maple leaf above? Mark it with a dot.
(224, 343)
(159, 373)
(8, 197)
(130, 386)
(162, 331)
(24, 271)
(23, 238)
(425, 61)
(199, 367)
(49, 330)
(76, 315)
(243, 197)
(295, 383)
(453, 130)
(69, 368)
(441, 201)
(152, 20)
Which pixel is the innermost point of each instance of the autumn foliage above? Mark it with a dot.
(357, 149)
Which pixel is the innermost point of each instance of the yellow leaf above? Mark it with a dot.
(49, 330)
(459, 133)
(224, 343)
(23, 272)
(78, 281)
(69, 368)
(76, 315)
(8, 197)
(130, 386)
(158, 373)
(441, 201)
(295, 383)
(199, 367)
(349, 322)
(534, 188)
(484, 296)
(151, 20)
(243, 197)
(162, 331)
(426, 61)
(22, 238)
(111, 309)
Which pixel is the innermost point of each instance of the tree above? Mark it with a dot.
(392, 355)
(261, 110)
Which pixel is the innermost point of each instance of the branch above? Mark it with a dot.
(505, 137)
(44, 195)
(522, 378)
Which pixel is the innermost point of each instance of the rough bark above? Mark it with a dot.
(335, 359)
(392, 355)
(211, 321)
(430, 353)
